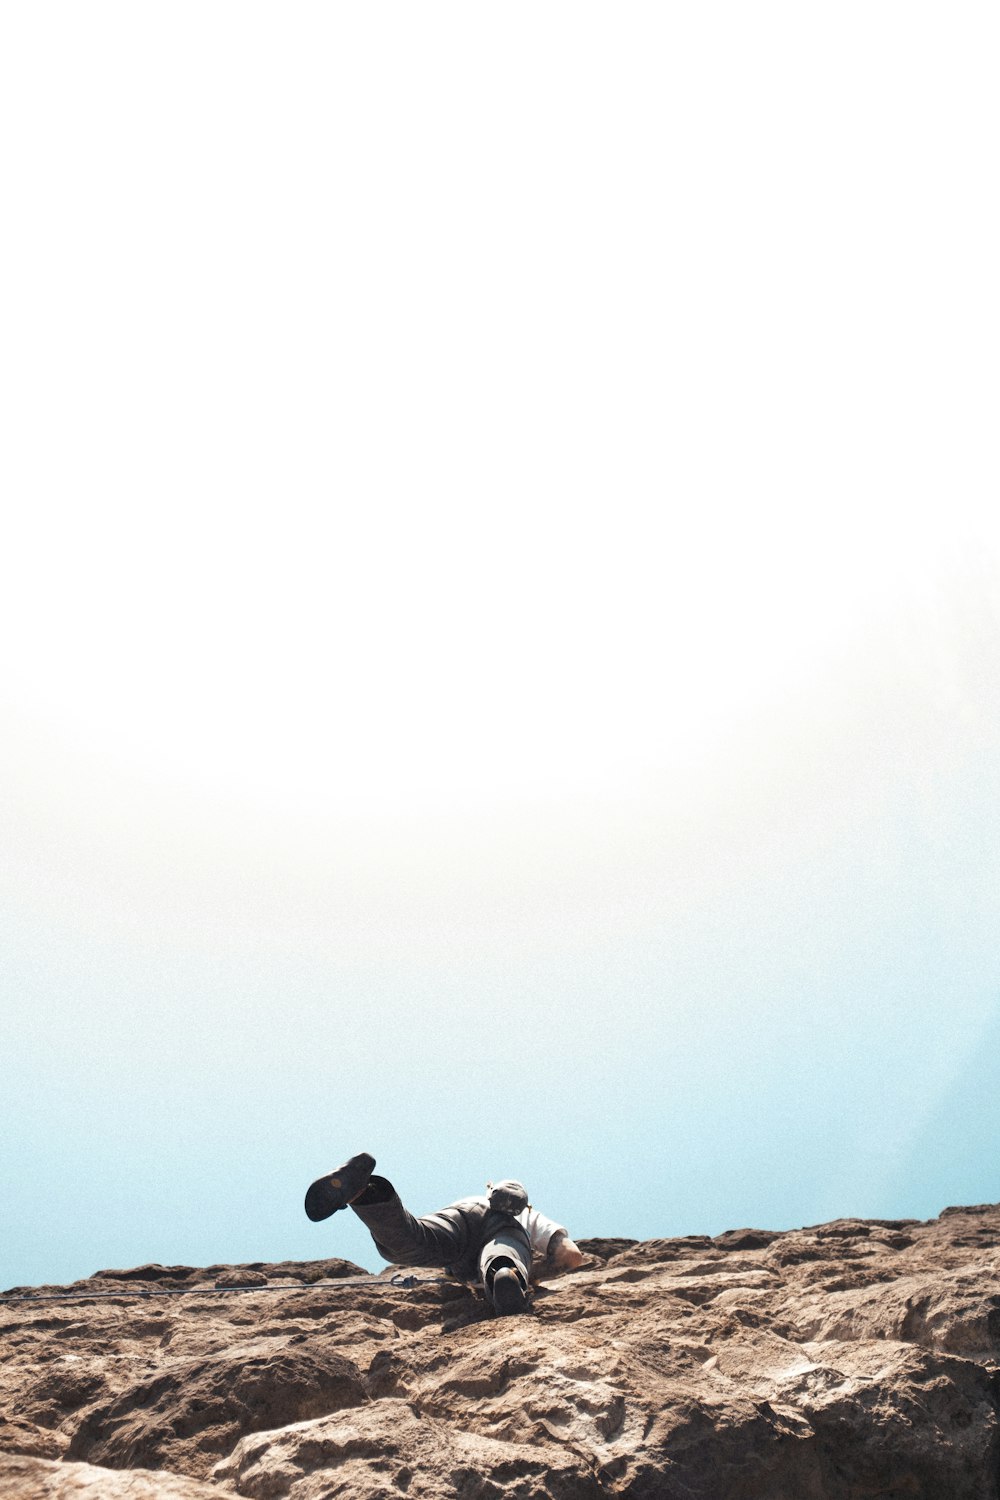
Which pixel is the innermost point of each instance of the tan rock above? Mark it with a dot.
(391, 1450)
(844, 1361)
(187, 1414)
(23, 1478)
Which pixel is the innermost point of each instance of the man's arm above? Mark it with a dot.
(563, 1254)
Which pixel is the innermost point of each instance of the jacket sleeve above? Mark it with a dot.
(540, 1231)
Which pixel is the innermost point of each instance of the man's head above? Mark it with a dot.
(508, 1196)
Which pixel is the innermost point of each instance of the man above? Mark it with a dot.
(499, 1238)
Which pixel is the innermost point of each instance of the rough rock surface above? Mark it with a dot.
(844, 1362)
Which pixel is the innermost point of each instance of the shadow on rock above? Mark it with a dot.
(186, 1417)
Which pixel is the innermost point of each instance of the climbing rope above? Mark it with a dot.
(398, 1280)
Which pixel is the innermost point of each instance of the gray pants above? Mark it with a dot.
(468, 1240)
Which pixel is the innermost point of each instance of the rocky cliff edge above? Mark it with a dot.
(848, 1361)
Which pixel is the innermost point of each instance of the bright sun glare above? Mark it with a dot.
(426, 659)
(503, 456)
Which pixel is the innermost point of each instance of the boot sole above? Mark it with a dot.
(335, 1189)
(508, 1293)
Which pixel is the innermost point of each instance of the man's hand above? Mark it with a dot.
(563, 1254)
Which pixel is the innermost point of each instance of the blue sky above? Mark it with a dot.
(500, 621)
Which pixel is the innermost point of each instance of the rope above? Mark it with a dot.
(398, 1280)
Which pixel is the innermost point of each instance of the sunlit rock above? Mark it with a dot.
(843, 1361)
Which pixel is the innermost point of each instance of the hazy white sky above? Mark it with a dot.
(499, 608)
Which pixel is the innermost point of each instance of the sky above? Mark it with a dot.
(499, 618)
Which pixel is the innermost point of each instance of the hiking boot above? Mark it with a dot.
(336, 1189)
(508, 1293)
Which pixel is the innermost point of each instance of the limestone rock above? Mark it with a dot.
(183, 1417)
(395, 1450)
(38, 1479)
(840, 1362)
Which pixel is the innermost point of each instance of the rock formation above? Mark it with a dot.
(844, 1362)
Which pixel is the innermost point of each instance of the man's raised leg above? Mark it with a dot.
(440, 1239)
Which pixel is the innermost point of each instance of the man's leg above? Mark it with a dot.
(440, 1239)
(505, 1266)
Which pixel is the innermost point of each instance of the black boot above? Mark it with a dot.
(508, 1293)
(336, 1189)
